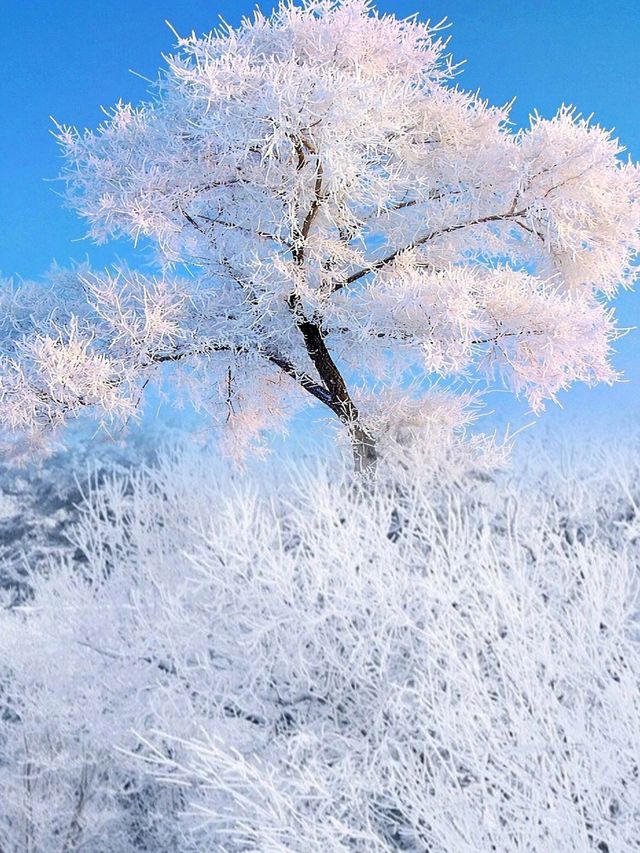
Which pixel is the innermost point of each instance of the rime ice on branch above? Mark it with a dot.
(330, 215)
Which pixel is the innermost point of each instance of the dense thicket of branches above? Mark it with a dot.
(289, 665)
(330, 215)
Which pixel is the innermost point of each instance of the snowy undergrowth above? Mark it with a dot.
(291, 664)
(39, 499)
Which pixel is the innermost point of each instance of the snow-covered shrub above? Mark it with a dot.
(289, 663)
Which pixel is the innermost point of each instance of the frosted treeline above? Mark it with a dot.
(289, 662)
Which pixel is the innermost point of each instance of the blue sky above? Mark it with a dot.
(67, 57)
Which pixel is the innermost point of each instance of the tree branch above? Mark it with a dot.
(233, 225)
(419, 241)
(406, 336)
(303, 379)
(285, 365)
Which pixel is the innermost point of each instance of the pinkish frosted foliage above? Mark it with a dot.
(320, 196)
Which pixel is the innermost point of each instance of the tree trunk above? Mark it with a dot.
(362, 442)
(364, 451)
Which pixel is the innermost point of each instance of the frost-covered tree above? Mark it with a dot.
(228, 666)
(330, 216)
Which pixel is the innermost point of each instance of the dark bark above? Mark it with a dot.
(362, 442)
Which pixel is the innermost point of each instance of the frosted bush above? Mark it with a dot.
(287, 663)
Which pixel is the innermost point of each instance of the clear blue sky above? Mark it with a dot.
(67, 57)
